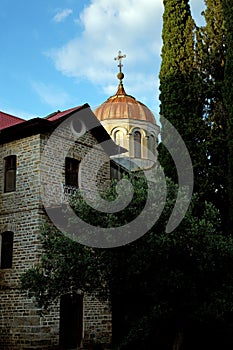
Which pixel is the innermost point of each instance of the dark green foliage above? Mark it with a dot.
(181, 93)
(159, 284)
(191, 82)
(228, 98)
(178, 40)
(192, 79)
(65, 266)
(186, 277)
(211, 53)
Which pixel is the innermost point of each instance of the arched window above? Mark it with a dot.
(10, 173)
(137, 144)
(118, 138)
(152, 144)
(6, 249)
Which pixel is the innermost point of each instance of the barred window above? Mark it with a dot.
(71, 171)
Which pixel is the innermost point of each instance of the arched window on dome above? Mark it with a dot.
(151, 143)
(118, 137)
(137, 144)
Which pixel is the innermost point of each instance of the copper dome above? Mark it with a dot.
(123, 106)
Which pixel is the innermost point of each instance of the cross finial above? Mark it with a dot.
(119, 59)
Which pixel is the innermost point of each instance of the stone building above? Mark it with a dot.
(26, 154)
(42, 161)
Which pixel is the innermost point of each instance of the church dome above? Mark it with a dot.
(131, 125)
(123, 106)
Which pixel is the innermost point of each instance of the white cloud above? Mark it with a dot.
(61, 15)
(133, 26)
(50, 95)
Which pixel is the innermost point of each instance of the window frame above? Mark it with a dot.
(10, 165)
(137, 138)
(72, 172)
(119, 137)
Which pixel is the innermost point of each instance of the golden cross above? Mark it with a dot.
(119, 59)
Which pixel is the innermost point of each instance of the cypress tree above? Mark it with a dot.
(181, 91)
(191, 83)
(211, 53)
(228, 99)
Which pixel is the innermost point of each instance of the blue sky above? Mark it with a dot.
(57, 54)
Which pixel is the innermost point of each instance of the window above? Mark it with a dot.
(152, 145)
(71, 172)
(118, 138)
(137, 144)
(6, 249)
(10, 174)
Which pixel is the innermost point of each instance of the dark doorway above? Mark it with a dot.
(71, 320)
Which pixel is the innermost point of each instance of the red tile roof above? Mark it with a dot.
(57, 115)
(40, 125)
(7, 120)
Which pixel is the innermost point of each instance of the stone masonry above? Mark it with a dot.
(21, 212)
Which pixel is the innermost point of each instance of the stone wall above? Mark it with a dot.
(63, 143)
(97, 321)
(21, 326)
